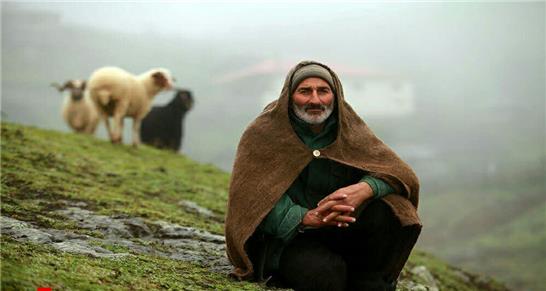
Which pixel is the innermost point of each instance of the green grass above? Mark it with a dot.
(448, 277)
(518, 257)
(28, 266)
(496, 230)
(41, 167)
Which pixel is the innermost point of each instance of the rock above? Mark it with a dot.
(193, 207)
(137, 227)
(60, 235)
(80, 204)
(170, 240)
(170, 230)
(462, 275)
(424, 274)
(86, 219)
(23, 231)
(82, 247)
(407, 285)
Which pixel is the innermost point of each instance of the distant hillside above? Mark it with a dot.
(499, 229)
(81, 213)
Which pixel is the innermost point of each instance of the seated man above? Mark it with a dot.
(316, 200)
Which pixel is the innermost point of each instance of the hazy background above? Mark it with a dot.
(470, 78)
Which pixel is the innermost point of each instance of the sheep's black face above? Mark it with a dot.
(184, 99)
(76, 94)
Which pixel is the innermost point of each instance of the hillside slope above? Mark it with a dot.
(81, 213)
(505, 239)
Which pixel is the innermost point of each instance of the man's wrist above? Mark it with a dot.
(306, 219)
(366, 191)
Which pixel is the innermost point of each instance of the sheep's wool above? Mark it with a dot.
(270, 157)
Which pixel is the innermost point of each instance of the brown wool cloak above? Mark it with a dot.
(270, 156)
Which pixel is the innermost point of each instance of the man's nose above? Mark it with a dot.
(314, 97)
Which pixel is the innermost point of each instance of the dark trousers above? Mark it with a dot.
(368, 255)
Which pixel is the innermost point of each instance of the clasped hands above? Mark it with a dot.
(336, 209)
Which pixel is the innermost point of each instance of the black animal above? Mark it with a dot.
(163, 126)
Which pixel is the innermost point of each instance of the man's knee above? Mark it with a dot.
(325, 275)
(378, 215)
(313, 268)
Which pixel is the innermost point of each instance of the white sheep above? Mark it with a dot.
(78, 110)
(117, 93)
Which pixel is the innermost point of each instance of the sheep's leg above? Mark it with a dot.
(92, 127)
(106, 119)
(136, 131)
(92, 121)
(176, 144)
(118, 127)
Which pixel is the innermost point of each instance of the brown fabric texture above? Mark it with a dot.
(270, 156)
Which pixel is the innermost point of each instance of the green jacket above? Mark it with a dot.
(320, 178)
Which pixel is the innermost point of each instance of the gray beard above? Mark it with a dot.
(312, 118)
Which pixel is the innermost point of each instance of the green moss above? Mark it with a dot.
(43, 171)
(448, 277)
(41, 168)
(504, 229)
(28, 266)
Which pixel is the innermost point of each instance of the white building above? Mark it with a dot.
(370, 93)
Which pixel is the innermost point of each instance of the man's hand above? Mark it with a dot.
(315, 217)
(353, 196)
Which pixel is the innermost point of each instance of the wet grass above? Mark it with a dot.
(47, 267)
(41, 168)
(449, 277)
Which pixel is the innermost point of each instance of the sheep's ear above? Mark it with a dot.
(188, 103)
(57, 86)
(68, 85)
(188, 100)
(160, 80)
(84, 84)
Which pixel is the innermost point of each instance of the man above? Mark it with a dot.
(316, 200)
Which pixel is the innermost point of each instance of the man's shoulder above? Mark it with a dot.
(269, 106)
(257, 127)
(261, 122)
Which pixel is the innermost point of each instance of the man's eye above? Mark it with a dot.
(324, 91)
(304, 91)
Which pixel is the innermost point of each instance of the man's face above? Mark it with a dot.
(313, 100)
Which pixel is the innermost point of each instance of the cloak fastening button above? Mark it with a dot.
(316, 153)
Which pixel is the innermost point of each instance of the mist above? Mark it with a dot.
(456, 89)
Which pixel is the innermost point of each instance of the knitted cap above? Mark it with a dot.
(312, 70)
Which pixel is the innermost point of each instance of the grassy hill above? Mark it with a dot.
(501, 232)
(80, 213)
